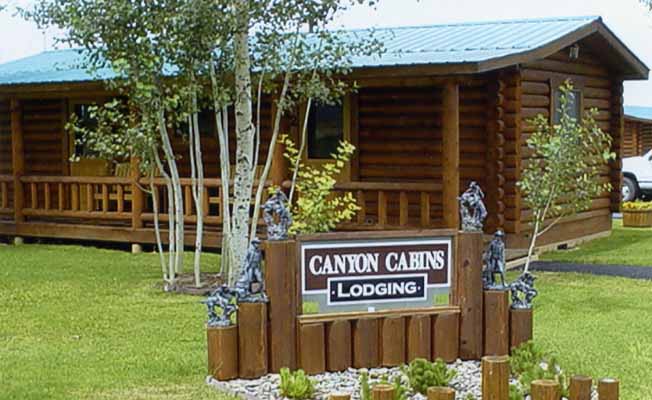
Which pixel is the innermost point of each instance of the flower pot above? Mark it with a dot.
(637, 218)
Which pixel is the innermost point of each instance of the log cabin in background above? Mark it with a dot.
(445, 105)
(637, 137)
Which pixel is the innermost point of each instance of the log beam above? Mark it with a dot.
(451, 153)
(17, 158)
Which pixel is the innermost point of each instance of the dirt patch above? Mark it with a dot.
(186, 284)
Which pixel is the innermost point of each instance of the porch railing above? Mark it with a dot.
(6, 188)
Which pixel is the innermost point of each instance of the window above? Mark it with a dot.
(207, 126)
(574, 106)
(325, 130)
(82, 112)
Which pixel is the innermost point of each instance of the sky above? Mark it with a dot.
(630, 21)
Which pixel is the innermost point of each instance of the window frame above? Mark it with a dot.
(555, 83)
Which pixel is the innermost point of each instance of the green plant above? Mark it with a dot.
(529, 363)
(317, 207)
(637, 206)
(515, 392)
(296, 385)
(423, 374)
(470, 396)
(365, 388)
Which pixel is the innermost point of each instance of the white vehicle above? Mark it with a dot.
(637, 176)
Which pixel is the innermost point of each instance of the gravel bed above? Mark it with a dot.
(467, 381)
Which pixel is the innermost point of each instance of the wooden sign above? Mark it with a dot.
(362, 274)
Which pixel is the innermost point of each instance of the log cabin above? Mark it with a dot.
(443, 106)
(637, 137)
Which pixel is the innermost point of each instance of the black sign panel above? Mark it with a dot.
(377, 289)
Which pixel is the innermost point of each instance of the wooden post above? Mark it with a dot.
(252, 339)
(520, 327)
(580, 387)
(446, 336)
(339, 396)
(451, 153)
(419, 339)
(496, 323)
(441, 393)
(137, 196)
(382, 392)
(338, 345)
(468, 293)
(279, 168)
(365, 343)
(312, 348)
(17, 158)
(495, 378)
(223, 352)
(608, 389)
(544, 389)
(392, 341)
(280, 282)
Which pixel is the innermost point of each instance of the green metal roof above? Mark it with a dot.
(498, 42)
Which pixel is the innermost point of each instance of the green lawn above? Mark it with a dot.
(625, 246)
(84, 323)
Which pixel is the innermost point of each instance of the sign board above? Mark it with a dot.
(375, 274)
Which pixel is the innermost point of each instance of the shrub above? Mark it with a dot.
(423, 374)
(530, 363)
(296, 385)
(317, 207)
(400, 391)
(365, 389)
(637, 206)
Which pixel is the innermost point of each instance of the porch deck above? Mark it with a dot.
(120, 209)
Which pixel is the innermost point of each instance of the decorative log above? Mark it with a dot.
(280, 282)
(382, 392)
(392, 341)
(312, 353)
(580, 387)
(520, 323)
(252, 339)
(468, 294)
(496, 322)
(441, 393)
(365, 343)
(445, 336)
(419, 339)
(495, 377)
(222, 352)
(544, 389)
(339, 396)
(608, 389)
(338, 337)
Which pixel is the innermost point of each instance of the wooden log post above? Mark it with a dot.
(495, 377)
(338, 346)
(382, 392)
(496, 322)
(608, 389)
(280, 282)
(544, 389)
(468, 294)
(339, 396)
(419, 341)
(441, 393)
(312, 348)
(451, 153)
(222, 352)
(279, 170)
(137, 199)
(17, 158)
(392, 341)
(520, 327)
(446, 336)
(580, 387)
(365, 343)
(252, 340)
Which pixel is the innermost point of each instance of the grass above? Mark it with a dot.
(625, 246)
(85, 323)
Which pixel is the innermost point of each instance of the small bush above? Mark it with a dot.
(423, 374)
(530, 363)
(400, 391)
(365, 388)
(637, 206)
(296, 385)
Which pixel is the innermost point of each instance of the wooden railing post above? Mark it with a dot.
(451, 153)
(137, 198)
(17, 158)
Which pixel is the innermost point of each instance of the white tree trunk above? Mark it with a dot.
(197, 170)
(245, 132)
(157, 225)
(171, 274)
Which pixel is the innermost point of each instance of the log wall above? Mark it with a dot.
(600, 91)
(5, 138)
(637, 138)
(43, 127)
